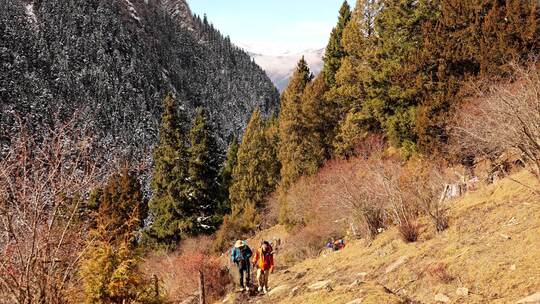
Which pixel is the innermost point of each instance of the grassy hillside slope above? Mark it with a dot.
(492, 249)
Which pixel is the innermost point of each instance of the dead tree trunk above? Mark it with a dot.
(156, 286)
(202, 296)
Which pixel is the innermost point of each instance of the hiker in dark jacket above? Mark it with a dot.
(241, 255)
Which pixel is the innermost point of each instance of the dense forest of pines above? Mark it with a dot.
(394, 69)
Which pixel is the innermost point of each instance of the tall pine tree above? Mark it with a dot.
(392, 85)
(226, 176)
(202, 185)
(348, 92)
(319, 121)
(118, 207)
(255, 174)
(292, 128)
(109, 268)
(357, 42)
(334, 50)
(170, 210)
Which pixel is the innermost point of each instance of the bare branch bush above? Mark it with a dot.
(506, 117)
(376, 192)
(386, 182)
(43, 181)
(179, 272)
(424, 182)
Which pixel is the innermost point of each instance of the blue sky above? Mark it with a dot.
(272, 26)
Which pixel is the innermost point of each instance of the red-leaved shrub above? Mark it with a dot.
(179, 272)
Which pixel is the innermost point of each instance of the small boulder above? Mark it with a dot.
(362, 276)
(295, 291)
(396, 264)
(505, 236)
(532, 299)
(462, 291)
(356, 301)
(441, 298)
(320, 285)
(299, 275)
(355, 283)
(278, 290)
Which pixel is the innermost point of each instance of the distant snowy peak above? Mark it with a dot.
(281, 67)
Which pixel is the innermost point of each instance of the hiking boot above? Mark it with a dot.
(265, 290)
(247, 288)
(260, 289)
(242, 289)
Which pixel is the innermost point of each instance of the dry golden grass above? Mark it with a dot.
(492, 247)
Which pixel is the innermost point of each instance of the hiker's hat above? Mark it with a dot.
(239, 244)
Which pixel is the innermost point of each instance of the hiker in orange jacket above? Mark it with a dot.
(264, 261)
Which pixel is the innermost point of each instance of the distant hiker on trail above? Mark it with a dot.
(339, 244)
(264, 260)
(240, 255)
(330, 244)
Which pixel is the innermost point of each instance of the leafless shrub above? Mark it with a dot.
(424, 182)
(307, 241)
(43, 180)
(350, 191)
(409, 230)
(180, 272)
(438, 272)
(371, 192)
(503, 118)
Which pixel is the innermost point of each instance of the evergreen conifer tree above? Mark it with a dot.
(334, 50)
(470, 39)
(357, 42)
(226, 176)
(349, 135)
(391, 84)
(254, 175)
(169, 207)
(109, 268)
(270, 153)
(319, 121)
(202, 185)
(118, 207)
(292, 127)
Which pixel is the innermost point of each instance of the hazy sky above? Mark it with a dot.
(272, 26)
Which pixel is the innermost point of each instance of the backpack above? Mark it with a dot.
(244, 253)
(241, 255)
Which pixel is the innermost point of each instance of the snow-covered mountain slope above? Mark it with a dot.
(116, 60)
(281, 67)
